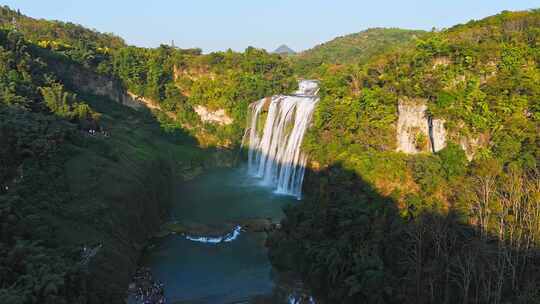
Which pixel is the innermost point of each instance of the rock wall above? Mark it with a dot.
(92, 83)
(219, 117)
(437, 134)
(89, 82)
(412, 124)
(417, 132)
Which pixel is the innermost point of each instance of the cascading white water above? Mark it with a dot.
(274, 153)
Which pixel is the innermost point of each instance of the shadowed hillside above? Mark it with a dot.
(353, 245)
(84, 181)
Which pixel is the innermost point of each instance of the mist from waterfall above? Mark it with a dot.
(275, 142)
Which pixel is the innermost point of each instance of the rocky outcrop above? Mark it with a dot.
(411, 126)
(416, 131)
(437, 134)
(219, 116)
(216, 230)
(471, 144)
(90, 82)
(148, 103)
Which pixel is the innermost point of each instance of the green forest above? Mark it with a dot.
(356, 48)
(459, 225)
(384, 227)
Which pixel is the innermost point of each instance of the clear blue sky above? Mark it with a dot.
(221, 24)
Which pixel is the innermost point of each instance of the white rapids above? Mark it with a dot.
(275, 153)
(229, 237)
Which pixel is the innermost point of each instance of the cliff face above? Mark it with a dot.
(90, 82)
(437, 134)
(416, 131)
(412, 126)
(219, 116)
(101, 85)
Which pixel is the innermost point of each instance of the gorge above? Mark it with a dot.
(222, 256)
(387, 166)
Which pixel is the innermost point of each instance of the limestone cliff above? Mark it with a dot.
(219, 116)
(89, 82)
(412, 126)
(437, 134)
(416, 131)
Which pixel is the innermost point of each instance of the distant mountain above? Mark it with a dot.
(357, 47)
(284, 50)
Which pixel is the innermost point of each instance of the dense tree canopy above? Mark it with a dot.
(354, 48)
(379, 226)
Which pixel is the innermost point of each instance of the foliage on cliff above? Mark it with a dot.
(180, 79)
(482, 78)
(448, 232)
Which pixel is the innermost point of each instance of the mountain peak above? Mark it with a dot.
(284, 50)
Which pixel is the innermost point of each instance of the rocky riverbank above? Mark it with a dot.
(144, 289)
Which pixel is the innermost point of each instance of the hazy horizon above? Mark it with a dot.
(214, 26)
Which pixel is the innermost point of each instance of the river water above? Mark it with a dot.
(237, 271)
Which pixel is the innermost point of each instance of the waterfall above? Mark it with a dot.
(274, 148)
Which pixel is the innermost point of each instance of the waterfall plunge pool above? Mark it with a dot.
(233, 267)
(235, 271)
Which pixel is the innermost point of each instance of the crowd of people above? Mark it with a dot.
(145, 290)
